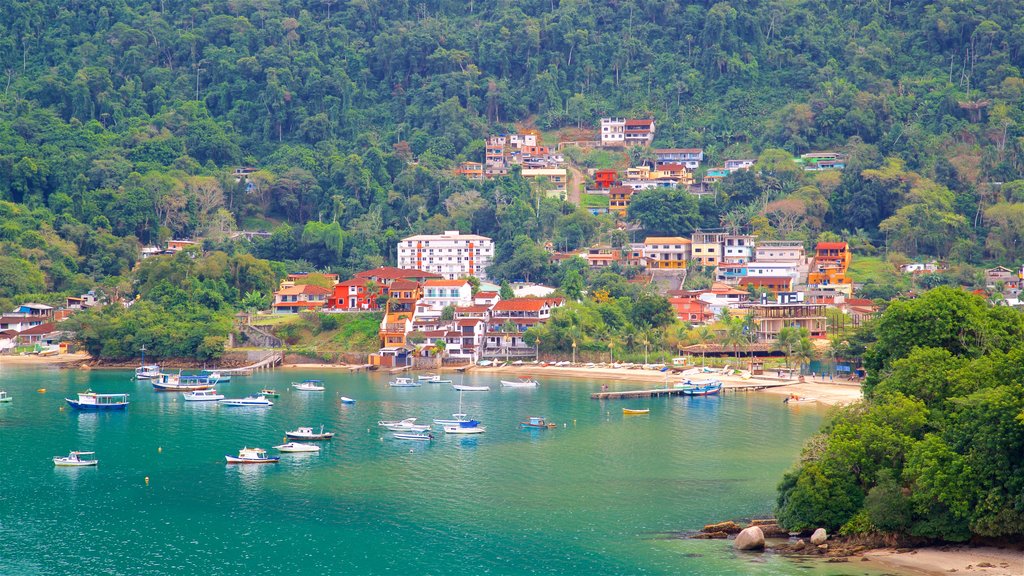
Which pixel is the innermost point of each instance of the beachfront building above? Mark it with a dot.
(451, 255)
(510, 319)
(300, 297)
(770, 318)
(666, 252)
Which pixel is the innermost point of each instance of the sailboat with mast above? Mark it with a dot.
(457, 418)
(144, 371)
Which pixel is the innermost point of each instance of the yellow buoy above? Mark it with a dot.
(41, 390)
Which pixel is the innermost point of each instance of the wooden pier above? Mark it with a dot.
(656, 392)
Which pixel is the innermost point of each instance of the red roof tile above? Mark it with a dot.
(38, 330)
(831, 246)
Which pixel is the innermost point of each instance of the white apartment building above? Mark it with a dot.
(613, 131)
(452, 254)
(737, 248)
(779, 251)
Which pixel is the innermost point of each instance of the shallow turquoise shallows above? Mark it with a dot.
(602, 493)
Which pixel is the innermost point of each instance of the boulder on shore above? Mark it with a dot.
(819, 536)
(773, 531)
(727, 527)
(749, 539)
(709, 535)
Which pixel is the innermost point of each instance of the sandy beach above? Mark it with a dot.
(37, 360)
(951, 560)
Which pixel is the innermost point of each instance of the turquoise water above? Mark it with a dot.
(601, 494)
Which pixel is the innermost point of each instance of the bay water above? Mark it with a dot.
(602, 493)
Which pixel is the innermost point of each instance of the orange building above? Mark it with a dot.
(831, 262)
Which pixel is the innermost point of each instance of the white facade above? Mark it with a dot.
(613, 131)
(779, 251)
(737, 249)
(772, 270)
(452, 255)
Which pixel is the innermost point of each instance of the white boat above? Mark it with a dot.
(433, 379)
(347, 400)
(73, 459)
(795, 399)
(464, 388)
(406, 422)
(521, 383)
(402, 382)
(147, 371)
(4, 396)
(471, 427)
(247, 401)
(216, 376)
(297, 447)
(309, 386)
(419, 437)
(251, 456)
(202, 396)
(456, 419)
(307, 433)
(408, 428)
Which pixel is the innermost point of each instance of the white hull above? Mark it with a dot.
(518, 384)
(461, 430)
(74, 464)
(189, 397)
(462, 388)
(262, 403)
(297, 447)
(412, 428)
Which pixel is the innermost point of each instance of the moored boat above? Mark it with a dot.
(296, 447)
(91, 401)
(258, 401)
(176, 383)
(703, 387)
(421, 437)
(251, 456)
(520, 383)
(209, 395)
(347, 400)
(147, 371)
(402, 382)
(307, 433)
(4, 396)
(408, 428)
(465, 388)
(536, 422)
(471, 427)
(635, 412)
(74, 459)
(215, 376)
(269, 393)
(433, 379)
(309, 386)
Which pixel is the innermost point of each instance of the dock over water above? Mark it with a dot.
(656, 392)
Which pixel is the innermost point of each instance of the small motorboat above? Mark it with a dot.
(536, 422)
(215, 376)
(269, 393)
(209, 395)
(257, 401)
(703, 387)
(402, 382)
(4, 396)
(147, 371)
(408, 428)
(74, 459)
(309, 386)
(91, 401)
(252, 456)
(471, 427)
(521, 383)
(307, 433)
(347, 400)
(433, 379)
(465, 388)
(386, 423)
(297, 447)
(633, 412)
(422, 437)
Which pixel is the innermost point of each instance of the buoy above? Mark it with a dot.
(61, 408)
(147, 480)
(41, 390)
(159, 449)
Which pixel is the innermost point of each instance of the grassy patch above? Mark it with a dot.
(593, 201)
(258, 224)
(864, 268)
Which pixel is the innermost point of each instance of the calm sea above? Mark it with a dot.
(601, 494)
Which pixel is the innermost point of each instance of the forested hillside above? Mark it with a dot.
(121, 121)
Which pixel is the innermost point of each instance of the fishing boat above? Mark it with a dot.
(177, 383)
(252, 456)
(633, 412)
(421, 437)
(521, 383)
(703, 387)
(402, 382)
(209, 395)
(465, 388)
(4, 396)
(269, 393)
(471, 427)
(216, 376)
(74, 459)
(257, 401)
(347, 400)
(91, 401)
(309, 386)
(147, 372)
(536, 422)
(297, 447)
(307, 433)
(456, 419)
(433, 379)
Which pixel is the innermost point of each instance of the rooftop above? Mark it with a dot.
(307, 289)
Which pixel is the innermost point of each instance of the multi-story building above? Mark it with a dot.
(452, 254)
(300, 297)
(715, 175)
(831, 261)
(666, 251)
(618, 199)
(774, 284)
(438, 294)
(737, 248)
(605, 179)
(613, 131)
(689, 157)
(354, 294)
(471, 170)
(706, 247)
(817, 161)
(770, 318)
(779, 251)
(510, 319)
(734, 165)
(638, 132)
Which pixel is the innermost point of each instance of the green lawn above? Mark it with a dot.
(593, 201)
(864, 268)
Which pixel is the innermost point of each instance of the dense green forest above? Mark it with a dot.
(934, 452)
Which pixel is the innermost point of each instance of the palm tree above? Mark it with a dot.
(438, 349)
(701, 336)
(804, 351)
(788, 339)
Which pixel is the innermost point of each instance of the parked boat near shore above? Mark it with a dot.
(251, 456)
(91, 401)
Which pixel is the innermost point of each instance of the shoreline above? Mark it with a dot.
(946, 559)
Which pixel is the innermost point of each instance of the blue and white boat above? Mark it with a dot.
(215, 376)
(421, 437)
(91, 401)
(702, 387)
(309, 386)
(256, 401)
(147, 372)
(433, 379)
(402, 382)
(471, 427)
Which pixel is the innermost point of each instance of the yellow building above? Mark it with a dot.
(666, 252)
(706, 247)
